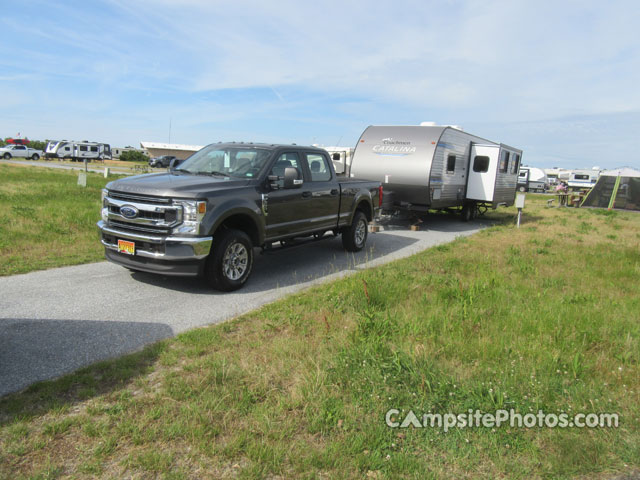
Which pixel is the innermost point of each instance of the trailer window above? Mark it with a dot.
(94, 149)
(83, 148)
(582, 177)
(451, 164)
(504, 162)
(481, 164)
(516, 163)
(319, 168)
(336, 157)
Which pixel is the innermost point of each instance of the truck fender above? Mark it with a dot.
(225, 211)
(363, 197)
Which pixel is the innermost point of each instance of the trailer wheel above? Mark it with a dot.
(229, 264)
(468, 212)
(354, 236)
(522, 189)
(35, 156)
(7, 156)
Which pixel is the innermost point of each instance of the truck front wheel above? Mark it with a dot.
(7, 156)
(354, 236)
(35, 156)
(230, 261)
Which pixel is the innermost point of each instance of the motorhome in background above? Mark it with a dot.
(341, 158)
(77, 151)
(583, 179)
(430, 167)
(555, 175)
(532, 179)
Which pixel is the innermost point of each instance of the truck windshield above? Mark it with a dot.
(240, 162)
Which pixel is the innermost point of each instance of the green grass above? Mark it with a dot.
(541, 317)
(47, 220)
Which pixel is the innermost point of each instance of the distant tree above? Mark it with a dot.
(38, 144)
(133, 156)
(2, 143)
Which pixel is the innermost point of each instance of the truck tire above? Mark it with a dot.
(35, 156)
(354, 236)
(7, 156)
(230, 262)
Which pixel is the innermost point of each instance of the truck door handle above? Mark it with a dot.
(306, 194)
(334, 191)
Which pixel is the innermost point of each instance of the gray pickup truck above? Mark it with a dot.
(205, 216)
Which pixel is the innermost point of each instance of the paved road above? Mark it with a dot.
(62, 166)
(56, 321)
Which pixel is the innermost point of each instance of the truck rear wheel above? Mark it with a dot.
(230, 262)
(354, 236)
(35, 156)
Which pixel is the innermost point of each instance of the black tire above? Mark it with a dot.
(7, 156)
(468, 212)
(523, 189)
(35, 156)
(354, 237)
(230, 262)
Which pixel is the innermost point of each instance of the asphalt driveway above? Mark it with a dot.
(55, 321)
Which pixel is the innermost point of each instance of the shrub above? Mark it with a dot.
(133, 156)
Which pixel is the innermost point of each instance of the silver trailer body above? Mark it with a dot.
(433, 167)
(78, 150)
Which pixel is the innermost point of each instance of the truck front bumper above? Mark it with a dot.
(170, 255)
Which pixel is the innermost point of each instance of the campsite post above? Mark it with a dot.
(519, 205)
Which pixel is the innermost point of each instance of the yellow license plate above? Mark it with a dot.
(126, 247)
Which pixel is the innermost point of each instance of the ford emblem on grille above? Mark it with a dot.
(128, 211)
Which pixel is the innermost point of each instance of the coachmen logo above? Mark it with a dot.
(128, 211)
(390, 146)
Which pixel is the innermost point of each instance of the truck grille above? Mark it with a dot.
(155, 215)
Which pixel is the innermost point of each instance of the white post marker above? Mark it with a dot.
(82, 179)
(519, 205)
(106, 172)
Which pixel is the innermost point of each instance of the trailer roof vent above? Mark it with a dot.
(428, 124)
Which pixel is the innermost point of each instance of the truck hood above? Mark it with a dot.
(175, 185)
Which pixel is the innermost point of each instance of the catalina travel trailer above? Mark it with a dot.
(77, 151)
(428, 167)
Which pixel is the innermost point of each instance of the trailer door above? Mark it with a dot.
(483, 168)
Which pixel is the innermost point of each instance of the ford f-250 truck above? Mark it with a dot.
(206, 216)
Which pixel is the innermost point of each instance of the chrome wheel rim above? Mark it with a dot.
(235, 261)
(361, 232)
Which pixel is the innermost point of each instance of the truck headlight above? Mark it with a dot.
(192, 214)
(104, 205)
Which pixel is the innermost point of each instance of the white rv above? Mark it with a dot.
(531, 179)
(77, 151)
(341, 158)
(583, 179)
(429, 167)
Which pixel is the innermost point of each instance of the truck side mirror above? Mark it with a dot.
(174, 163)
(292, 178)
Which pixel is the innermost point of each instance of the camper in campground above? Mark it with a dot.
(531, 179)
(77, 151)
(429, 167)
(583, 179)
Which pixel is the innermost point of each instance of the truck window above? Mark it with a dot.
(451, 164)
(320, 171)
(286, 160)
(481, 164)
(504, 162)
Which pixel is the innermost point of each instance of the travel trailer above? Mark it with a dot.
(531, 179)
(429, 167)
(77, 151)
(341, 158)
(583, 179)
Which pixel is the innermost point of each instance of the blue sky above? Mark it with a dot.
(561, 80)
